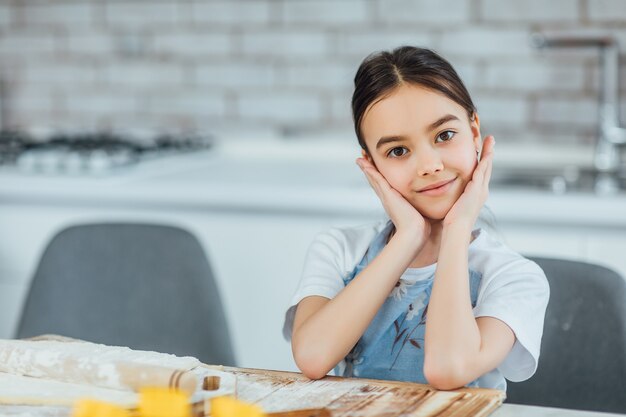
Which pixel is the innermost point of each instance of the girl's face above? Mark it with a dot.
(424, 144)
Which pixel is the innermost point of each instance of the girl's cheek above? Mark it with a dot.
(473, 164)
(470, 162)
(395, 179)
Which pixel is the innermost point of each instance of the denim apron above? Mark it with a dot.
(392, 346)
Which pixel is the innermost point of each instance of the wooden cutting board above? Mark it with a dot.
(278, 391)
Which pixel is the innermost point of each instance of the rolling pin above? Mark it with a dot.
(135, 377)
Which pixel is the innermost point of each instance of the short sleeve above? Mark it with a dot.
(517, 294)
(322, 275)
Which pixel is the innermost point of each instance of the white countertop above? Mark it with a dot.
(283, 176)
(516, 410)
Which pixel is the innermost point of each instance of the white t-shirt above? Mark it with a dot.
(513, 289)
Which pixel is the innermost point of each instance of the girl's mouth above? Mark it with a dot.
(437, 188)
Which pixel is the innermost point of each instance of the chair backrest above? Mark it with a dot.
(145, 286)
(583, 351)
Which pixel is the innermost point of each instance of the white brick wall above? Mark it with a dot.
(340, 108)
(193, 44)
(286, 108)
(485, 42)
(91, 43)
(227, 13)
(60, 14)
(101, 102)
(78, 122)
(140, 14)
(359, 44)
(27, 45)
(33, 99)
(288, 65)
(424, 12)
(235, 75)
(533, 77)
(502, 112)
(326, 12)
(294, 43)
(470, 73)
(567, 112)
(145, 75)
(607, 10)
(322, 75)
(531, 11)
(6, 15)
(60, 75)
(187, 103)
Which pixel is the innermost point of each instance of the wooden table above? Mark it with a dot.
(361, 397)
(280, 391)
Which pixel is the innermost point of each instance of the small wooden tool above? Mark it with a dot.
(309, 412)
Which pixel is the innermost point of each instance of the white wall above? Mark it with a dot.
(287, 65)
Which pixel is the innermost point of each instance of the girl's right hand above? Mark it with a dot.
(407, 220)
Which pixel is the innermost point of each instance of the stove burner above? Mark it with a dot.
(89, 152)
(12, 143)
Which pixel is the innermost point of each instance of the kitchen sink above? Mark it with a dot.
(559, 181)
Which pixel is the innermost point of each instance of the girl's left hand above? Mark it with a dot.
(406, 218)
(467, 208)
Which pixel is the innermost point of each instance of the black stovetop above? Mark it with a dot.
(13, 144)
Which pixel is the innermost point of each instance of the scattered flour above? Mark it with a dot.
(82, 362)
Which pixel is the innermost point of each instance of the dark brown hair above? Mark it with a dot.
(380, 73)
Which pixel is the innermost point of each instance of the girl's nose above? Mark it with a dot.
(428, 162)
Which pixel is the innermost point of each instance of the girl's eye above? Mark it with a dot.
(397, 152)
(444, 136)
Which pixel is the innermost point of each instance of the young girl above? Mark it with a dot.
(423, 296)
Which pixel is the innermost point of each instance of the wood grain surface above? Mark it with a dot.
(288, 394)
(277, 391)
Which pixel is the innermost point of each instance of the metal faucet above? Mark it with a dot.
(611, 134)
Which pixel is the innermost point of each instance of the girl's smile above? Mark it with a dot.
(437, 188)
(424, 144)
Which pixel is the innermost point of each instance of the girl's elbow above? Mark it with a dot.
(448, 377)
(310, 363)
(310, 367)
(444, 382)
(313, 372)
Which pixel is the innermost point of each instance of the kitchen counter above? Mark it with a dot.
(283, 177)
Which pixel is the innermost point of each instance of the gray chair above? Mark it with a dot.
(148, 287)
(583, 351)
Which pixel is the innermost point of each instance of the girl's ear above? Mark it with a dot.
(366, 156)
(475, 127)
